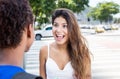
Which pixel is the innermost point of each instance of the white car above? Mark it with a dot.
(87, 29)
(45, 32)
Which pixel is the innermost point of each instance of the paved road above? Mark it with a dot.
(105, 59)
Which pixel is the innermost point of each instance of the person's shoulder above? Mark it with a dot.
(43, 51)
(44, 48)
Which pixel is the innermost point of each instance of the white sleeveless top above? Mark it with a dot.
(53, 71)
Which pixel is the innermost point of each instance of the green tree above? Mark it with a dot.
(104, 11)
(75, 5)
(43, 8)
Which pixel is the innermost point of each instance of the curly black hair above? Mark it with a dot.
(15, 16)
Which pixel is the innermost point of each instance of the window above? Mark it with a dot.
(49, 28)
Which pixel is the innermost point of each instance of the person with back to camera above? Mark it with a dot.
(16, 37)
(68, 57)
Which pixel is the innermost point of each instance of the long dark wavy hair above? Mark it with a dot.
(77, 47)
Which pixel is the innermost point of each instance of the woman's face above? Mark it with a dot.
(60, 31)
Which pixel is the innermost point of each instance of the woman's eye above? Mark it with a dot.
(65, 26)
(55, 25)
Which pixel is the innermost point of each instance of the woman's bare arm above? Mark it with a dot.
(42, 60)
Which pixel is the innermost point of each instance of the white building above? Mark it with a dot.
(83, 18)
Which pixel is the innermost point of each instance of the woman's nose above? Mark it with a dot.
(59, 29)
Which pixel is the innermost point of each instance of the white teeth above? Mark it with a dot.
(60, 35)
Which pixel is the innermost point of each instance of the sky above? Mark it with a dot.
(93, 3)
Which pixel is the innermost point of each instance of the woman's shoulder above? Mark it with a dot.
(43, 48)
(43, 51)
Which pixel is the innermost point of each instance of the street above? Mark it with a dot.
(105, 58)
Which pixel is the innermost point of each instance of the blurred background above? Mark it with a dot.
(99, 22)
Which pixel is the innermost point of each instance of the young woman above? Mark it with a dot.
(68, 57)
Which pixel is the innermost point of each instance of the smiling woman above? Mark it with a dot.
(68, 56)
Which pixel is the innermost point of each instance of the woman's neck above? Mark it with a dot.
(61, 46)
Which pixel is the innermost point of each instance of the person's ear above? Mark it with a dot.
(29, 31)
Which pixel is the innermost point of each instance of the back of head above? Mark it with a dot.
(15, 16)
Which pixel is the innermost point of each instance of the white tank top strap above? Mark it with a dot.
(48, 50)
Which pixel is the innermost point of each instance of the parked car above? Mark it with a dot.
(88, 29)
(114, 27)
(99, 29)
(107, 27)
(45, 32)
